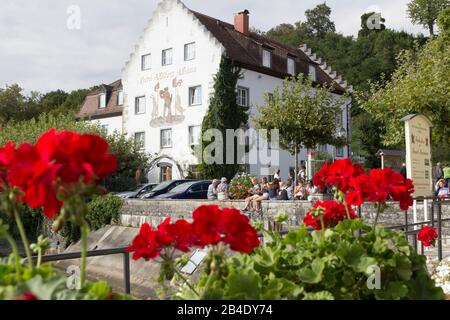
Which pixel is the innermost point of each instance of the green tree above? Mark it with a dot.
(14, 105)
(129, 156)
(304, 117)
(318, 20)
(419, 85)
(223, 113)
(426, 12)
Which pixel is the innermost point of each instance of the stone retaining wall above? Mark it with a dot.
(136, 212)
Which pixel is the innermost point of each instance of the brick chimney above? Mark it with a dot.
(241, 22)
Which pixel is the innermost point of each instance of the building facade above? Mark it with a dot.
(166, 85)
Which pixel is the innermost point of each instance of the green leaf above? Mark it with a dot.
(244, 285)
(312, 274)
(321, 295)
(396, 290)
(44, 290)
(266, 259)
(98, 291)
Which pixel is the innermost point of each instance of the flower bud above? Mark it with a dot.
(57, 225)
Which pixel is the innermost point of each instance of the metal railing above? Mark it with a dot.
(97, 253)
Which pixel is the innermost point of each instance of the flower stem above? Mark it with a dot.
(347, 210)
(187, 282)
(208, 284)
(322, 223)
(377, 215)
(39, 258)
(84, 236)
(24, 238)
(15, 251)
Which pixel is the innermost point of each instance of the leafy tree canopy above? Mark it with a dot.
(419, 85)
(426, 12)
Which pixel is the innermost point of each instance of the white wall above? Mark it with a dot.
(112, 124)
(171, 26)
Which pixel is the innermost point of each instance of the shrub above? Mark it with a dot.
(32, 220)
(239, 186)
(104, 210)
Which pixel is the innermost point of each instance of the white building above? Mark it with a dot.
(166, 84)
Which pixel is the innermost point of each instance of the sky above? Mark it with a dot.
(41, 53)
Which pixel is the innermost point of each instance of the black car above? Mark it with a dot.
(188, 190)
(162, 188)
(140, 190)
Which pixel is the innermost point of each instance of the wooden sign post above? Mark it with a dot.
(418, 153)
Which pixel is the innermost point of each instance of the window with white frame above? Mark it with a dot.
(242, 96)
(139, 107)
(102, 101)
(166, 138)
(339, 151)
(267, 58)
(291, 66)
(167, 57)
(339, 119)
(119, 97)
(195, 95)
(312, 72)
(139, 140)
(189, 51)
(194, 135)
(146, 62)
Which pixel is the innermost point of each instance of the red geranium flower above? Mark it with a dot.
(333, 212)
(338, 174)
(7, 154)
(81, 155)
(178, 234)
(36, 179)
(428, 236)
(207, 225)
(27, 296)
(56, 161)
(144, 244)
(239, 234)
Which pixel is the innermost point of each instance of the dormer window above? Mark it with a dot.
(291, 66)
(120, 98)
(312, 72)
(102, 101)
(267, 58)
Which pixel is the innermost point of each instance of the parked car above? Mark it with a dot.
(140, 190)
(162, 188)
(188, 190)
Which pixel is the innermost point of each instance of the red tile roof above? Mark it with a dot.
(246, 51)
(90, 107)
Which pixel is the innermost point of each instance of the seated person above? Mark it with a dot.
(311, 190)
(283, 193)
(264, 195)
(254, 191)
(212, 190)
(222, 190)
(274, 189)
(440, 190)
(300, 192)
